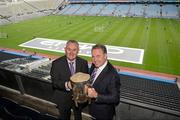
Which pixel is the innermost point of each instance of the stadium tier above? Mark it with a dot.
(128, 1)
(124, 10)
(148, 28)
(14, 11)
(11, 12)
(30, 75)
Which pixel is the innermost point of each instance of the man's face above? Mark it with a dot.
(71, 51)
(98, 57)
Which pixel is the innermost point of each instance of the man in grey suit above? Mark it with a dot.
(105, 85)
(62, 69)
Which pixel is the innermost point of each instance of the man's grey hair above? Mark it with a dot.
(72, 41)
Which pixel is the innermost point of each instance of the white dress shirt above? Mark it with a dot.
(99, 70)
(74, 65)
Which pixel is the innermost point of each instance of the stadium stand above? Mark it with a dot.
(108, 10)
(10, 110)
(169, 11)
(20, 10)
(129, 8)
(122, 10)
(141, 92)
(72, 9)
(29, 74)
(84, 9)
(62, 10)
(95, 9)
(128, 1)
(11, 12)
(153, 10)
(118, 9)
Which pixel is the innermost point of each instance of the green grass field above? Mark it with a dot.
(160, 38)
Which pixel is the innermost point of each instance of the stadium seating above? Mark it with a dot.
(30, 112)
(169, 11)
(10, 110)
(84, 9)
(10, 115)
(7, 102)
(153, 10)
(72, 9)
(96, 9)
(48, 117)
(109, 9)
(149, 1)
(23, 10)
(129, 10)
(157, 93)
(122, 10)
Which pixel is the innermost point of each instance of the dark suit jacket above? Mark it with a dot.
(60, 73)
(107, 85)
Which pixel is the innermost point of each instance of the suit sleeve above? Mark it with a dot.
(85, 69)
(113, 92)
(57, 83)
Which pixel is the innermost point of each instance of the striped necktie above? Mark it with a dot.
(71, 67)
(93, 75)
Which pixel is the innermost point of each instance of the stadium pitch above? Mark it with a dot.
(159, 38)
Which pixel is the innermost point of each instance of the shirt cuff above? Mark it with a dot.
(66, 86)
(96, 99)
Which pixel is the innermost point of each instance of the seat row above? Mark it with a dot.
(10, 110)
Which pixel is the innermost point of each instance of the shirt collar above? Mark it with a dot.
(102, 66)
(71, 61)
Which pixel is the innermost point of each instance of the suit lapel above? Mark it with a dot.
(92, 68)
(67, 70)
(78, 65)
(101, 75)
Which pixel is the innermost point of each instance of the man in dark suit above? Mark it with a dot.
(105, 85)
(62, 69)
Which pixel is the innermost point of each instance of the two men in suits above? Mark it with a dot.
(105, 85)
(61, 71)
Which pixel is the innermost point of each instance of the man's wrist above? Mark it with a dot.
(67, 87)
